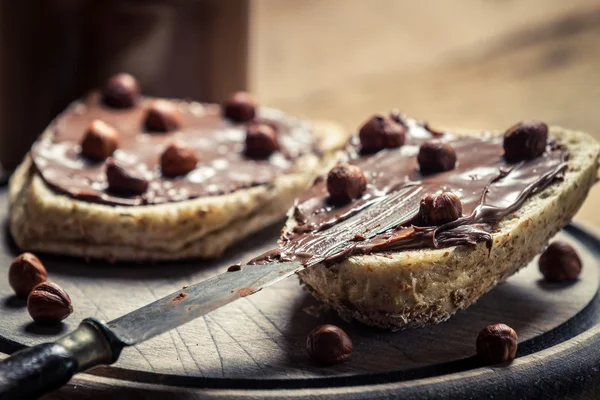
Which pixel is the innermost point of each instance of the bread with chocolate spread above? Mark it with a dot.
(120, 176)
(443, 219)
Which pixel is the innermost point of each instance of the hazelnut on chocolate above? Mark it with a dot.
(329, 344)
(439, 209)
(261, 140)
(121, 91)
(162, 116)
(100, 141)
(240, 107)
(525, 141)
(560, 262)
(25, 272)
(436, 156)
(380, 133)
(124, 181)
(497, 343)
(346, 182)
(178, 159)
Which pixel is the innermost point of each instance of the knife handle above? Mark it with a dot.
(34, 371)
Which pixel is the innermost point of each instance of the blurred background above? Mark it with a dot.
(474, 63)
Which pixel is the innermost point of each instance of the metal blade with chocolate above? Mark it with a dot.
(121, 176)
(433, 220)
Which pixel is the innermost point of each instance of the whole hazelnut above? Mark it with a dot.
(124, 181)
(440, 209)
(121, 91)
(162, 116)
(49, 303)
(178, 159)
(497, 343)
(240, 107)
(261, 141)
(379, 133)
(436, 156)
(100, 141)
(25, 272)
(346, 182)
(560, 262)
(525, 140)
(328, 344)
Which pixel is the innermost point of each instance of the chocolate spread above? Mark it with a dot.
(387, 218)
(222, 168)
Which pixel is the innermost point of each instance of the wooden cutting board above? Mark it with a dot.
(255, 346)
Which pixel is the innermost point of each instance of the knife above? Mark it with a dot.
(37, 370)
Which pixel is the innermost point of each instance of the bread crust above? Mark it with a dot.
(44, 220)
(406, 289)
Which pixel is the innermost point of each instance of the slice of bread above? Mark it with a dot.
(412, 288)
(43, 220)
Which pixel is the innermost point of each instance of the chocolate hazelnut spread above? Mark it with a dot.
(219, 143)
(387, 216)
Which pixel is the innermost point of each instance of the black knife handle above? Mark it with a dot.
(32, 372)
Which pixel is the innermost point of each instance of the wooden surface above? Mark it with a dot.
(262, 336)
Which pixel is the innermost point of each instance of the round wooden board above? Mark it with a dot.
(257, 343)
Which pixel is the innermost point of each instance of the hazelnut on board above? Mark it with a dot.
(261, 141)
(525, 140)
(178, 159)
(560, 262)
(100, 141)
(497, 343)
(124, 181)
(328, 344)
(49, 303)
(346, 182)
(438, 209)
(240, 107)
(162, 116)
(121, 91)
(436, 156)
(25, 272)
(379, 133)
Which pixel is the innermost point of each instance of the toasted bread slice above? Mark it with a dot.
(412, 288)
(44, 220)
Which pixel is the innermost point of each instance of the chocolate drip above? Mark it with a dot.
(387, 214)
(222, 167)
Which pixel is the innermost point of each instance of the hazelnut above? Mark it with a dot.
(497, 343)
(162, 116)
(379, 133)
(120, 91)
(436, 156)
(124, 181)
(560, 262)
(25, 272)
(234, 267)
(100, 141)
(261, 141)
(346, 182)
(48, 303)
(440, 209)
(525, 141)
(328, 344)
(240, 107)
(178, 159)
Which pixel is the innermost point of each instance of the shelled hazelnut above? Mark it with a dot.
(329, 344)
(48, 303)
(261, 141)
(121, 180)
(380, 133)
(436, 156)
(25, 272)
(440, 209)
(178, 159)
(346, 182)
(100, 141)
(525, 140)
(240, 107)
(560, 262)
(162, 116)
(497, 343)
(121, 91)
